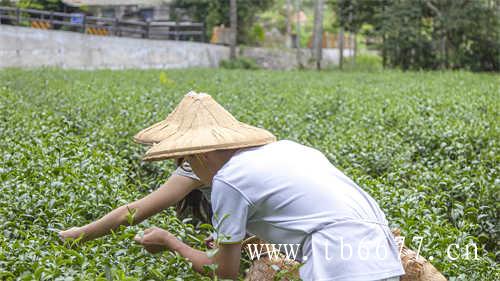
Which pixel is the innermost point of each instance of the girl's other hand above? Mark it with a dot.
(72, 233)
(154, 239)
(210, 242)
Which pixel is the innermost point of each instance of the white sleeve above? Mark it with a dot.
(230, 212)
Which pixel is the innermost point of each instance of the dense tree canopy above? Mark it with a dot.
(215, 12)
(48, 5)
(430, 34)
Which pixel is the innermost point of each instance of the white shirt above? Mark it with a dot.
(287, 193)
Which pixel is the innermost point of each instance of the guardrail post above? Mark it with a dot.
(18, 16)
(176, 30)
(115, 27)
(51, 19)
(148, 29)
(203, 32)
(84, 19)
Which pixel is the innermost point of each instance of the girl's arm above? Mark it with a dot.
(176, 188)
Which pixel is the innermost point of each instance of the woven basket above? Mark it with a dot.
(417, 268)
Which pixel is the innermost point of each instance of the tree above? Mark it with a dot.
(216, 12)
(341, 47)
(297, 31)
(350, 16)
(48, 5)
(288, 24)
(234, 23)
(318, 32)
(429, 34)
(433, 34)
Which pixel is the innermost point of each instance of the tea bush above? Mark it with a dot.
(424, 145)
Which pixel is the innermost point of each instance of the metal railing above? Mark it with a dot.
(163, 30)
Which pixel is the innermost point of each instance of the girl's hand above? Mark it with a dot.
(72, 233)
(155, 239)
(210, 242)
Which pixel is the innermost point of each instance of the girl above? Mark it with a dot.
(284, 192)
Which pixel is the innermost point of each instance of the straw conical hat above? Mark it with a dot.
(161, 130)
(202, 125)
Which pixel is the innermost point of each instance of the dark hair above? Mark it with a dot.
(194, 205)
(179, 161)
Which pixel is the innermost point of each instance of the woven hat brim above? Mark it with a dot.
(163, 129)
(197, 150)
(150, 135)
(199, 124)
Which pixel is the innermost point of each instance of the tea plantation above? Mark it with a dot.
(424, 145)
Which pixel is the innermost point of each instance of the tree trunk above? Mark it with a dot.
(350, 40)
(288, 41)
(318, 32)
(384, 53)
(233, 22)
(355, 46)
(444, 50)
(341, 47)
(297, 38)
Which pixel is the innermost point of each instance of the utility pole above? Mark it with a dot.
(233, 22)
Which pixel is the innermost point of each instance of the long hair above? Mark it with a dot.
(195, 205)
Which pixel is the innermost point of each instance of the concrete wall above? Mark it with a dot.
(28, 47)
(281, 58)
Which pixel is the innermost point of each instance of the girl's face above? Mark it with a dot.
(199, 165)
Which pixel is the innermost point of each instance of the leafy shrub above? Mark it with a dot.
(424, 145)
(240, 63)
(364, 62)
(256, 35)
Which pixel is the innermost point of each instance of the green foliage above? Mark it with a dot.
(48, 5)
(215, 12)
(429, 34)
(7, 3)
(424, 145)
(131, 215)
(365, 62)
(239, 63)
(256, 35)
